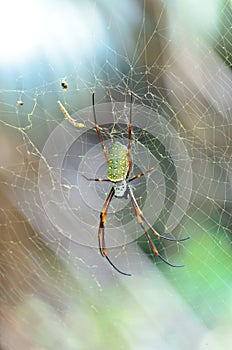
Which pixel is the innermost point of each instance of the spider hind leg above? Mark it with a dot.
(141, 219)
(123, 273)
(101, 231)
(154, 249)
(167, 262)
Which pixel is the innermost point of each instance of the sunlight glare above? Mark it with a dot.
(20, 26)
(29, 28)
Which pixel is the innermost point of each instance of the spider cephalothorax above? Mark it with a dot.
(121, 189)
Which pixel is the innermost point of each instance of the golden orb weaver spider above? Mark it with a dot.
(118, 171)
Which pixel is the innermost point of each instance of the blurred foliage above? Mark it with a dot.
(207, 285)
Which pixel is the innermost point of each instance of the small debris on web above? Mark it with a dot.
(64, 85)
(20, 103)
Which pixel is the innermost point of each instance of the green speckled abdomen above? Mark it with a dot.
(118, 163)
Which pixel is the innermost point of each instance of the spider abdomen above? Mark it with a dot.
(118, 163)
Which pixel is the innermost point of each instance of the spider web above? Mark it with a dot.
(176, 59)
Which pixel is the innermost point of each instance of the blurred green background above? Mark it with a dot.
(176, 58)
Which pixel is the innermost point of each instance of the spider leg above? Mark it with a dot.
(98, 130)
(123, 273)
(139, 212)
(103, 216)
(154, 249)
(101, 230)
(129, 139)
(140, 175)
(141, 220)
(99, 179)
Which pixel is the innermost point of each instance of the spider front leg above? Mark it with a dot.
(98, 130)
(101, 231)
(130, 126)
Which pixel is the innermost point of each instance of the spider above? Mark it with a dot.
(118, 172)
